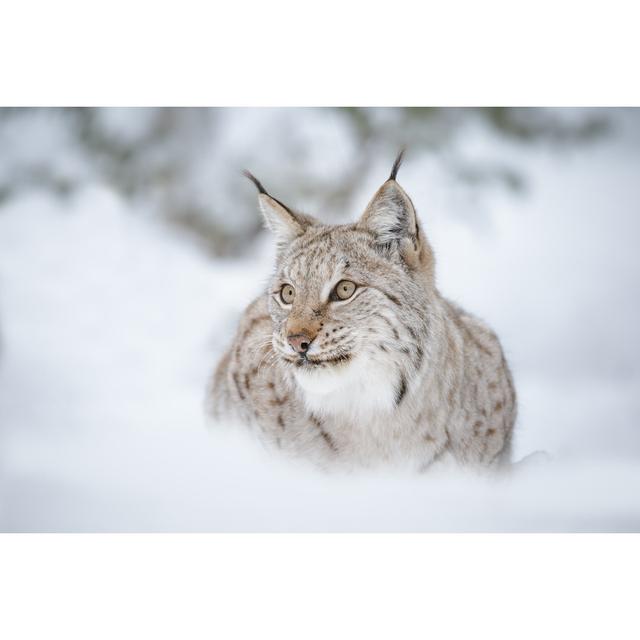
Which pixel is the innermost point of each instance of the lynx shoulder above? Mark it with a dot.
(352, 357)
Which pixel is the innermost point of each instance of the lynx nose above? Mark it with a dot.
(300, 342)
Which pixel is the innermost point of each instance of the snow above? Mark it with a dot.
(111, 324)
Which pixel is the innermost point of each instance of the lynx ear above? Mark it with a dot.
(282, 221)
(390, 215)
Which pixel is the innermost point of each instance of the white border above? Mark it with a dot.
(319, 586)
(286, 52)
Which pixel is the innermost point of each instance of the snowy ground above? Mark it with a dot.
(111, 325)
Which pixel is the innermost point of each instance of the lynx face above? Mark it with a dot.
(336, 300)
(348, 302)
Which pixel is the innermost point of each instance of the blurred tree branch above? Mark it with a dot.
(159, 157)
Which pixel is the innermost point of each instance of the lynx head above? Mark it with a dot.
(350, 303)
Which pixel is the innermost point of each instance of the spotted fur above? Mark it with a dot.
(394, 374)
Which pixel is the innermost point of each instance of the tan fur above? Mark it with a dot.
(396, 374)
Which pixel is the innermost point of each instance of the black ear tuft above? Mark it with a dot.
(396, 165)
(259, 187)
(262, 190)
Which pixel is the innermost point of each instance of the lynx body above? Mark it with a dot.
(353, 358)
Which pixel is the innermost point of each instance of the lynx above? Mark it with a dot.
(353, 358)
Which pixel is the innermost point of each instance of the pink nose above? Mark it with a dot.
(300, 342)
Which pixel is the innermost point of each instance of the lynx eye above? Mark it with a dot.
(344, 290)
(287, 293)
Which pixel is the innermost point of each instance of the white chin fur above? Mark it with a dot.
(359, 387)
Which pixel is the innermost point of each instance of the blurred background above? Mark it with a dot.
(182, 165)
(130, 243)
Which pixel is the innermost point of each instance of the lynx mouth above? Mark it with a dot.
(307, 362)
(334, 360)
